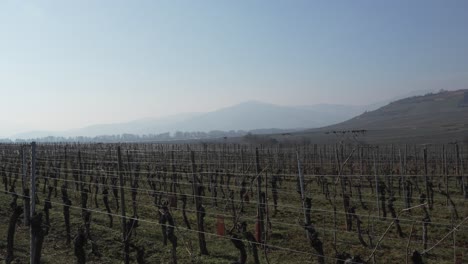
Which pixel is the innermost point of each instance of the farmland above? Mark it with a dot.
(231, 203)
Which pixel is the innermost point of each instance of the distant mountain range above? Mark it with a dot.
(251, 115)
(247, 116)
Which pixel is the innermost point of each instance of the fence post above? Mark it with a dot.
(426, 179)
(122, 208)
(259, 193)
(301, 183)
(25, 187)
(376, 183)
(462, 174)
(197, 195)
(80, 173)
(32, 245)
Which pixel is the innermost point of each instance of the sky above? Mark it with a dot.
(68, 64)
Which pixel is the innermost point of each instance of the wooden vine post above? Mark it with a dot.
(122, 208)
(426, 179)
(197, 194)
(260, 223)
(33, 238)
(376, 183)
(25, 188)
(462, 175)
(80, 173)
(301, 183)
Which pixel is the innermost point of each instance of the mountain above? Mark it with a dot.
(257, 115)
(254, 116)
(434, 117)
(251, 115)
(141, 126)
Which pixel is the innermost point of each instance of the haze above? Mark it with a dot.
(69, 64)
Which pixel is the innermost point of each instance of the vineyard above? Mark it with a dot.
(229, 203)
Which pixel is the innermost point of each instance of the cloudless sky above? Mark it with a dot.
(68, 64)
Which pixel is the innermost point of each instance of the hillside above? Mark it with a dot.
(258, 115)
(439, 117)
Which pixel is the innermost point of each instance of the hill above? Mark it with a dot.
(435, 117)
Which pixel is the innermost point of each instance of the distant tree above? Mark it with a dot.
(442, 91)
(178, 135)
(164, 136)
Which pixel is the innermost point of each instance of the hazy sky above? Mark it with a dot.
(67, 64)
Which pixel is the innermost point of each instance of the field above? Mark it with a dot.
(230, 203)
